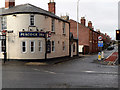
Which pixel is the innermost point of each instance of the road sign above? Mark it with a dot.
(100, 38)
(4, 32)
(100, 43)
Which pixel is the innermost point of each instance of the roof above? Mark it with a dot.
(85, 26)
(28, 8)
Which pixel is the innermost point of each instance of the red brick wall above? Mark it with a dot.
(83, 32)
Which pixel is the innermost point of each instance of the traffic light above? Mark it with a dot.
(117, 34)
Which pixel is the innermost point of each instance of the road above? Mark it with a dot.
(77, 73)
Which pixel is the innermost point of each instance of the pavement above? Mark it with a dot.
(79, 72)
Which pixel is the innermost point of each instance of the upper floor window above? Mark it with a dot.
(63, 28)
(53, 25)
(32, 18)
(4, 22)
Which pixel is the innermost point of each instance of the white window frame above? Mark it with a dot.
(40, 45)
(32, 19)
(25, 46)
(33, 46)
(53, 46)
(53, 25)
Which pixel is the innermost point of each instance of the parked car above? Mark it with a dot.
(110, 48)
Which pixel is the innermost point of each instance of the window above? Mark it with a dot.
(53, 46)
(24, 45)
(31, 20)
(32, 46)
(3, 46)
(73, 47)
(63, 28)
(63, 46)
(53, 25)
(4, 22)
(40, 46)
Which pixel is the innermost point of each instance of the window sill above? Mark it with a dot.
(32, 26)
(53, 32)
(64, 34)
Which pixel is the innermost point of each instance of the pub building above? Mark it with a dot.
(33, 33)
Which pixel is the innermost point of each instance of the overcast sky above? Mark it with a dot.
(102, 13)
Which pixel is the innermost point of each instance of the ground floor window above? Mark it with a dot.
(32, 46)
(40, 46)
(63, 46)
(24, 45)
(53, 46)
(3, 46)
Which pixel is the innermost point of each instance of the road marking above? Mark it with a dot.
(50, 72)
(89, 71)
(100, 72)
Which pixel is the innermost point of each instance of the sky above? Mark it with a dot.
(102, 13)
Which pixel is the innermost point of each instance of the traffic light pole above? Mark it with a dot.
(118, 52)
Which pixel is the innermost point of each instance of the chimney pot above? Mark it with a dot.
(90, 24)
(51, 7)
(9, 3)
(83, 21)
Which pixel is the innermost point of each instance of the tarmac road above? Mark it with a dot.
(77, 73)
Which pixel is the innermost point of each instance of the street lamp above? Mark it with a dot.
(77, 24)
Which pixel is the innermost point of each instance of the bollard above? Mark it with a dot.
(102, 55)
(99, 56)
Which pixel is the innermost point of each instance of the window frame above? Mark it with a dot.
(63, 46)
(2, 45)
(53, 46)
(53, 25)
(40, 45)
(33, 46)
(32, 20)
(4, 22)
(63, 28)
(24, 46)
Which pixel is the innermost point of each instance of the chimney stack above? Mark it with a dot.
(90, 24)
(51, 6)
(83, 21)
(9, 3)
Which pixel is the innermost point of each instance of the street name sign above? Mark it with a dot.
(100, 43)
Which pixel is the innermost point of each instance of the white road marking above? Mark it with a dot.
(50, 72)
(100, 72)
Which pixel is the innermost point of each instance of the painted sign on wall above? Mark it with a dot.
(31, 34)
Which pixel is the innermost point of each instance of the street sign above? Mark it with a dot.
(4, 32)
(100, 43)
(100, 38)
